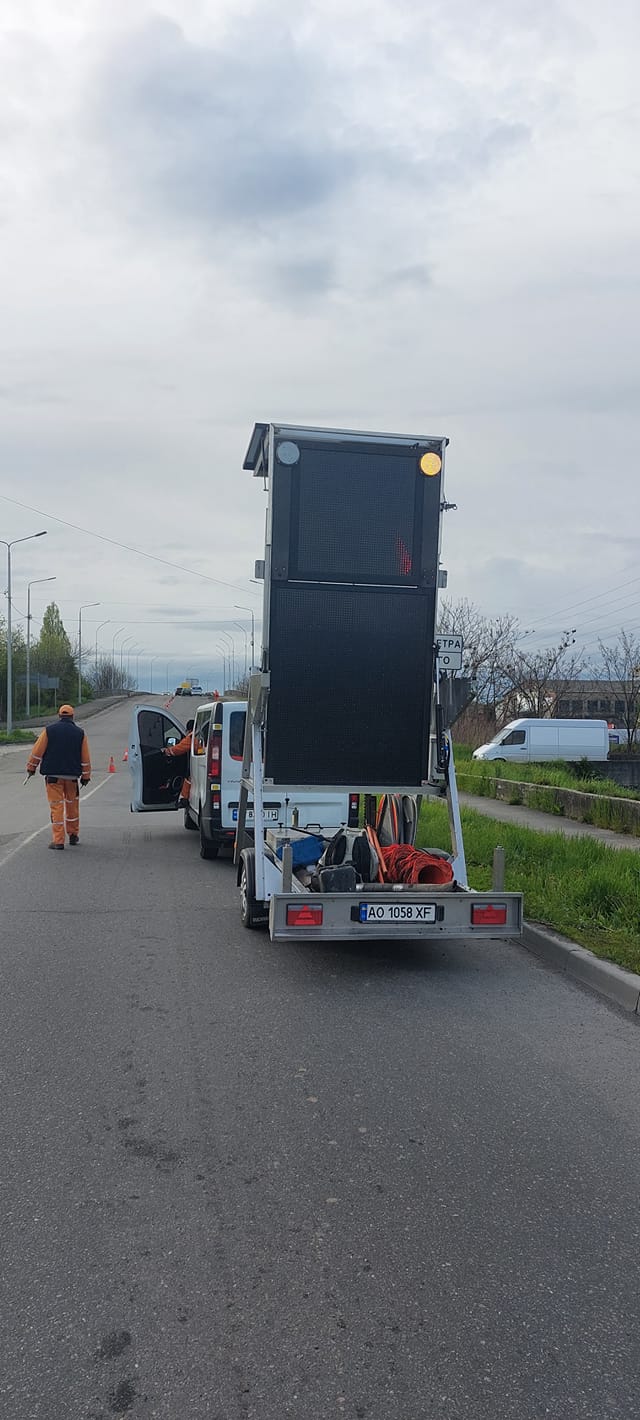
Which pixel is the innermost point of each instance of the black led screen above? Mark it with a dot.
(354, 564)
(353, 517)
(350, 686)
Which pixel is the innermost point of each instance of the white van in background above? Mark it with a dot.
(532, 741)
(215, 769)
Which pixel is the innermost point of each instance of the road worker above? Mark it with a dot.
(61, 753)
(183, 747)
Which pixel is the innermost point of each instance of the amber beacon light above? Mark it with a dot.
(431, 464)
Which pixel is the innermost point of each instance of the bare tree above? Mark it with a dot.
(621, 666)
(537, 680)
(489, 645)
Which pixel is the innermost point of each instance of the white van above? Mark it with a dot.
(215, 769)
(531, 741)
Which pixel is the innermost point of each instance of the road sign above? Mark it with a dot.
(449, 652)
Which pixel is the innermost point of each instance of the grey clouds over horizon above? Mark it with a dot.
(373, 215)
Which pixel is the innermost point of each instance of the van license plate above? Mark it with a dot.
(397, 912)
(270, 815)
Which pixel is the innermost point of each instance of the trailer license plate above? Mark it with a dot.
(397, 912)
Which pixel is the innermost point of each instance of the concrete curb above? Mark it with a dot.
(618, 985)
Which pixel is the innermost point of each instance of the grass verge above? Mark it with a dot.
(555, 774)
(577, 886)
(17, 737)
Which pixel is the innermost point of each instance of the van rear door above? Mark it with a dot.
(155, 779)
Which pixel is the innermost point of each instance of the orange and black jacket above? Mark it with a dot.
(61, 751)
(183, 747)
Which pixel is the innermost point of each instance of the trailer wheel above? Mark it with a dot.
(252, 913)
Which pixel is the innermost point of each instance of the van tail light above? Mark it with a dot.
(215, 754)
(491, 914)
(354, 810)
(304, 916)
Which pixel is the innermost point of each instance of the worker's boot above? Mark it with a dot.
(55, 845)
(73, 840)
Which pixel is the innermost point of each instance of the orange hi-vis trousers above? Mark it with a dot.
(64, 802)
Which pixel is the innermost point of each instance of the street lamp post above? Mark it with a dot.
(113, 657)
(246, 644)
(8, 546)
(34, 583)
(127, 642)
(102, 623)
(153, 658)
(223, 651)
(81, 609)
(253, 632)
(226, 636)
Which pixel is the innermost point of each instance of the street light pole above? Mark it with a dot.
(153, 658)
(229, 638)
(253, 632)
(8, 546)
(81, 609)
(29, 586)
(113, 657)
(127, 642)
(223, 650)
(102, 623)
(246, 643)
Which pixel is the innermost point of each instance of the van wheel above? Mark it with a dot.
(208, 849)
(251, 914)
(188, 821)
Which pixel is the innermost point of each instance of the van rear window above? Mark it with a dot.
(236, 733)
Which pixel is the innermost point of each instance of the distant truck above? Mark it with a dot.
(533, 741)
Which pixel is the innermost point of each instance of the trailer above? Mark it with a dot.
(354, 694)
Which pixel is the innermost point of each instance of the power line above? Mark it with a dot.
(124, 546)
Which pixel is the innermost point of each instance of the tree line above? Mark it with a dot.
(509, 678)
(53, 656)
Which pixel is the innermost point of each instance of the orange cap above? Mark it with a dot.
(67, 710)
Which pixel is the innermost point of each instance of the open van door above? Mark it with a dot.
(155, 780)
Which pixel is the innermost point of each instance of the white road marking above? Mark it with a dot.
(30, 836)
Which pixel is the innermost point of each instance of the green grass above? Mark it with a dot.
(555, 774)
(577, 886)
(17, 737)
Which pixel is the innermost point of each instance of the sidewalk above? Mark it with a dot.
(547, 823)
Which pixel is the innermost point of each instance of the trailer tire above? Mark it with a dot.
(252, 913)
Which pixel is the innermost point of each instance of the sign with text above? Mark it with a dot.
(449, 652)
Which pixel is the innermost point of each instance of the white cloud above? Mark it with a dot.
(384, 215)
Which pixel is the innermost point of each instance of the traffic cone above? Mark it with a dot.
(112, 767)
(125, 756)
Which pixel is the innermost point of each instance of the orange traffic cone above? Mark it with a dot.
(125, 756)
(112, 767)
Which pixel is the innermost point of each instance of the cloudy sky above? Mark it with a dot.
(411, 215)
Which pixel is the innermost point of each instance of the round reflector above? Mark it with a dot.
(431, 464)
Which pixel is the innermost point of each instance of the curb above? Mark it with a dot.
(618, 985)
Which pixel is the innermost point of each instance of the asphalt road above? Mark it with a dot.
(246, 1182)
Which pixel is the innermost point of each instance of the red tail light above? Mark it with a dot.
(354, 810)
(215, 754)
(492, 914)
(304, 916)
